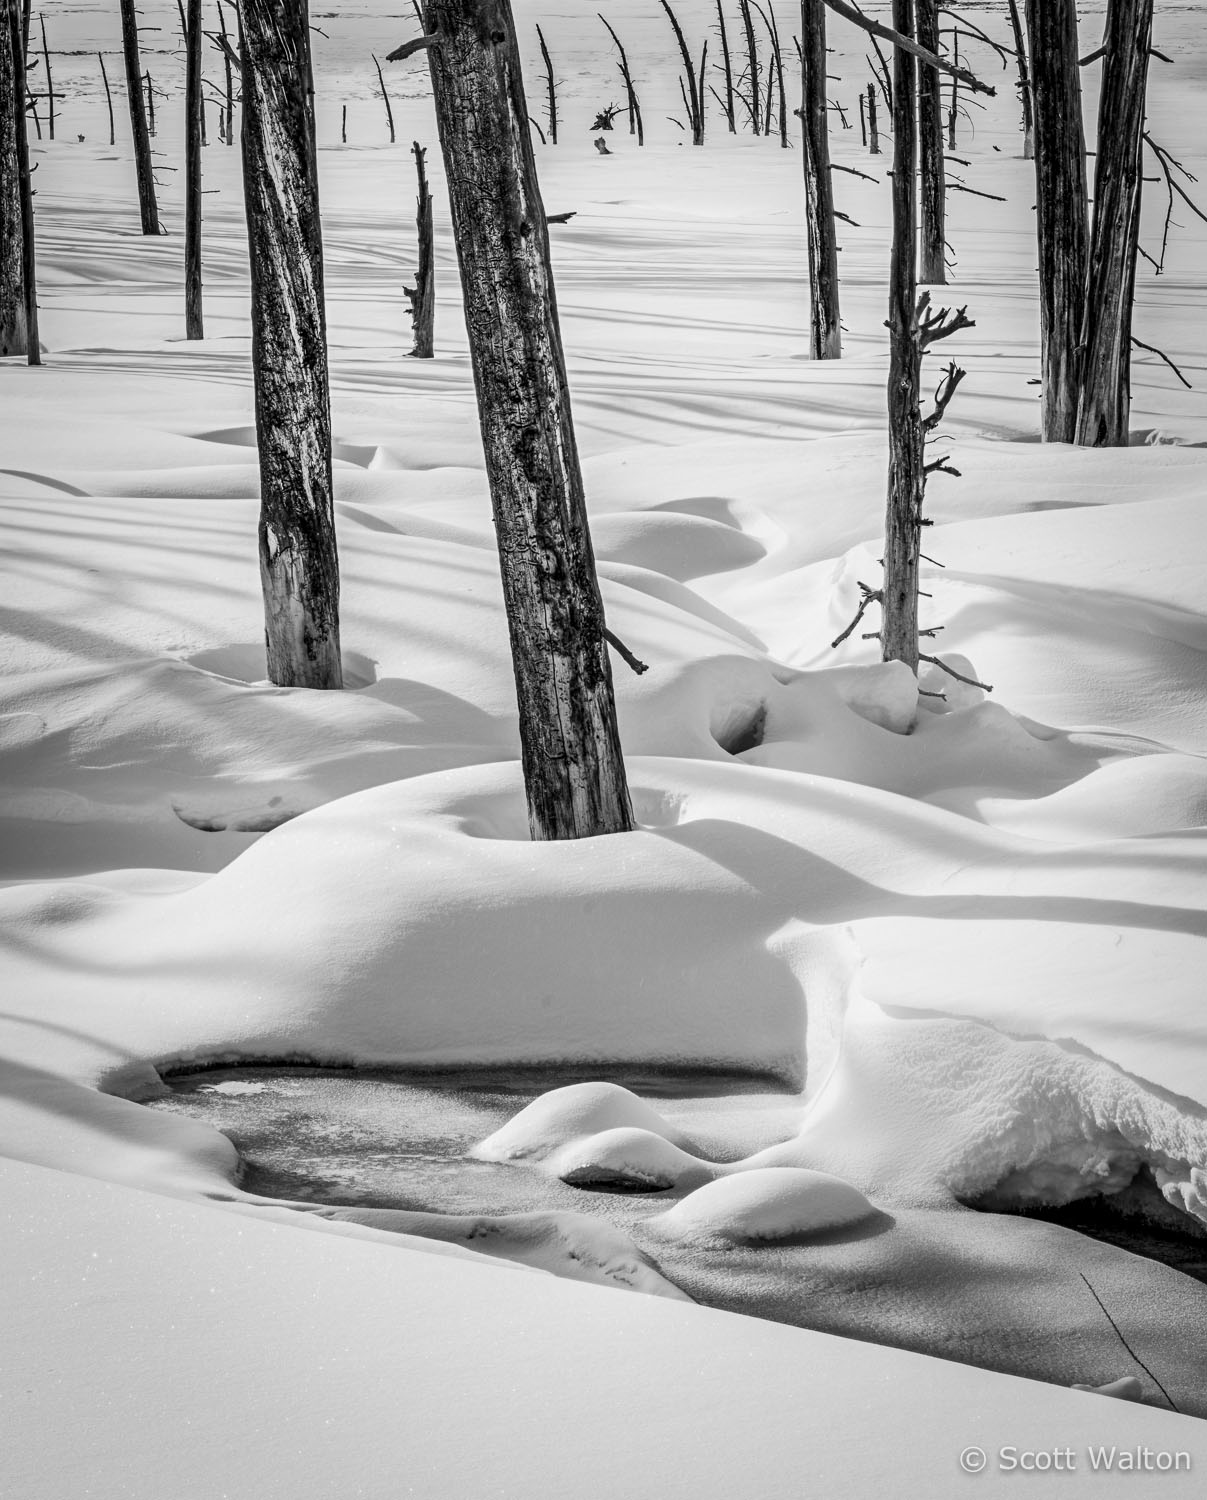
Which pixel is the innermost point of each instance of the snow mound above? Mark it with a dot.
(767, 1203)
(567, 1114)
(624, 1157)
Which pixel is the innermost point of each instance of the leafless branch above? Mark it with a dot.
(868, 596)
(1160, 353)
(852, 13)
(951, 672)
(625, 654)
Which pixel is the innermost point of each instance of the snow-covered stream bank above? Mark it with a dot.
(971, 931)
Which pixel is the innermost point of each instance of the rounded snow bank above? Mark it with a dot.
(567, 1114)
(626, 1158)
(766, 1204)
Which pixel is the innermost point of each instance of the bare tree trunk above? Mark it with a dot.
(863, 120)
(873, 130)
(550, 87)
(100, 57)
(12, 276)
(49, 78)
(230, 81)
(933, 244)
(634, 106)
(422, 296)
(729, 117)
(1060, 208)
(1105, 407)
(906, 478)
(752, 55)
(819, 194)
(299, 568)
(1024, 83)
(574, 773)
(138, 120)
(693, 93)
(385, 99)
(953, 112)
(193, 320)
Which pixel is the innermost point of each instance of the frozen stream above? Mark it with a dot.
(1002, 1291)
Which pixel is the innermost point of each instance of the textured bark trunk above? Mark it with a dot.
(12, 276)
(194, 327)
(29, 278)
(423, 296)
(1024, 83)
(1060, 209)
(932, 258)
(573, 769)
(819, 194)
(1105, 406)
(148, 207)
(906, 476)
(873, 129)
(752, 66)
(299, 568)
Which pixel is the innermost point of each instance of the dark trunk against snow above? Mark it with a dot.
(932, 247)
(108, 98)
(29, 279)
(574, 773)
(819, 193)
(873, 128)
(194, 325)
(728, 66)
(1024, 83)
(148, 207)
(12, 276)
(906, 478)
(299, 569)
(1060, 209)
(1105, 408)
(422, 296)
(752, 67)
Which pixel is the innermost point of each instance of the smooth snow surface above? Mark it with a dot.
(968, 929)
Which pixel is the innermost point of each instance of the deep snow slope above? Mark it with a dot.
(969, 928)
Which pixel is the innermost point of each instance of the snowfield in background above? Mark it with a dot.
(969, 930)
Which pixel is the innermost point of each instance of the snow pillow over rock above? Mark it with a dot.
(766, 1204)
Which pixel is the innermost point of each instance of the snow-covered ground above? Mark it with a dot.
(969, 930)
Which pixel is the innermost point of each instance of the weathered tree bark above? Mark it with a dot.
(752, 66)
(422, 296)
(299, 567)
(12, 276)
(873, 130)
(907, 463)
(932, 248)
(1024, 83)
(819, 193)
(29, 278)
(194, 325)
(138, 120)
(574, 772)
(1105, 402)
(1060, 208)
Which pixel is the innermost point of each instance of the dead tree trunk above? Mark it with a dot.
(230, 80)
(907, 462)
(299, 568)
(13, 338)
(138, 120)
(385, 97)
(49, 78)
(1105, 403)
(727, 102)
(1024, 83)
(819, 192)
(550, 87)
(108, 98)
(193, 320)
(29, 275)
(574, 773)
(422, 296)
(752, 66)
(873, 130)
(693, 91)
(634, 105)
(1060, 209)
(932, 247)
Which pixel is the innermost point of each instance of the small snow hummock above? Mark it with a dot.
(568, 1114)
(625, 1157)
(766, 1204)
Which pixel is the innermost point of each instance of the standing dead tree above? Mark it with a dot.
(193, 131)
(693, 90)
(299, 566)
(1104, 407)
(727, 68)
(776, 72)
(108, 98)
(1024, 83)
(634, 105)
(574, 773)
(751, 99)
(873, 127)
(550, 87)
(230, 62)
(932, 245)
(422, 296)
(148, 207)
(825, 323)
(1060, 203)
(50, 94)
(18, 321)
(385, 96)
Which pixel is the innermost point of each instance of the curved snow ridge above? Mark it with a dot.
(765, 1205)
